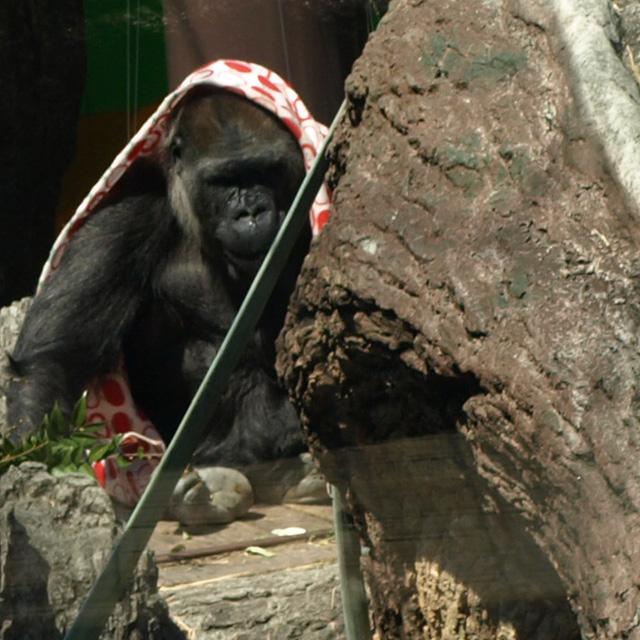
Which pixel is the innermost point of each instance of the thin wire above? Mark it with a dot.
(283, 37)
(127, 69)
(136, 70)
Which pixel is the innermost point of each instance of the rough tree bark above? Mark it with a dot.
(471, 314)
(42, 67)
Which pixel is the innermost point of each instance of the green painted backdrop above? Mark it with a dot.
(127, 66)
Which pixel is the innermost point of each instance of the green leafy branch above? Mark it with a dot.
(64, 445)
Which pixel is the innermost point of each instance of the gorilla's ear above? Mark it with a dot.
(178, 191)
(175, 148)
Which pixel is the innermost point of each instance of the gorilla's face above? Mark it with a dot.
(234, 170)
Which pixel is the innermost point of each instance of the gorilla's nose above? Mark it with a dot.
(250, 211)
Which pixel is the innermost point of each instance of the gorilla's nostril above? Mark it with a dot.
(250, 213)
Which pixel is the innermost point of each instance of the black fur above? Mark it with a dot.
(156, 276)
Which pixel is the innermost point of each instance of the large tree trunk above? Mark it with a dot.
(42, 67)
(462, 344)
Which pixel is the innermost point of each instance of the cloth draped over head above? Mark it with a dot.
(109, 401)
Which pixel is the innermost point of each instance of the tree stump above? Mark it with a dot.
(462, 343)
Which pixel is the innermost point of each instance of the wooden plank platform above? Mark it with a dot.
(219, 551)
(290, 593)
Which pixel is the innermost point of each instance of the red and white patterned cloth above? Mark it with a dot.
(110, 401)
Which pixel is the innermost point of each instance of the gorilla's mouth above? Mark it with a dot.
(247, 256)
(249, 241)
(246, 260)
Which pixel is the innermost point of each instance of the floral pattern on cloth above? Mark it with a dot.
(110, 400)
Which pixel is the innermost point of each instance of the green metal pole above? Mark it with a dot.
(355, 607)
(118, 571)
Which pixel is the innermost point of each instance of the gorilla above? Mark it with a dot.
(154, 277)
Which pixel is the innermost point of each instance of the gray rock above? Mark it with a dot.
(10, 322)
(55, 535)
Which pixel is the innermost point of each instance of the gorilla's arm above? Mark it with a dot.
(255, 421)
(74, 328)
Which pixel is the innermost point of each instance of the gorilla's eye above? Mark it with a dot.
(175, 148)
